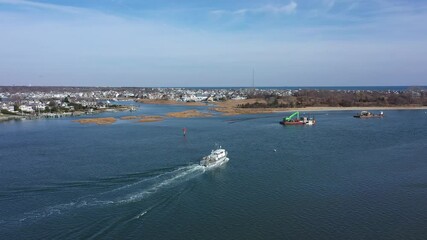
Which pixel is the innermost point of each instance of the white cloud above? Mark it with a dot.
(93, 48)
(329, 3)
(67, 9)
(285, 9)
(266, 9)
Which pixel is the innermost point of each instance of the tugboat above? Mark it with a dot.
(366, 114)
(216, 158)
(295, 119)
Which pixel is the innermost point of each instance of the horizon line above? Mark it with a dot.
(213, 86)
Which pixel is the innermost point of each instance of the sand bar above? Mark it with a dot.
(130, 117)
(99, 121)
(188, 114)
(151, 119)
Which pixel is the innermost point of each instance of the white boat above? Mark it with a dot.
(309, 121)
(216, 158)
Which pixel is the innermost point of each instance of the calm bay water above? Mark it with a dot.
(344, 178)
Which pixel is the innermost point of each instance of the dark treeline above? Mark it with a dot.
(330, 98)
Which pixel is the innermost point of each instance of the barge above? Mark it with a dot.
(295, 119)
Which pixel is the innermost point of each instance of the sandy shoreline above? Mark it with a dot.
(230, 107)
(239, 111)
(312, 109)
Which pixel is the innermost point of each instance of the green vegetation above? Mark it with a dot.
(275, 104)
(4, 111)
(77, 107)
(330, 98)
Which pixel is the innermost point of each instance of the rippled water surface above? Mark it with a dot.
(344, 178)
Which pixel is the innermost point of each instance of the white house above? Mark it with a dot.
(26, 108)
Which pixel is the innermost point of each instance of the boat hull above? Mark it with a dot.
(310, 122)
(216, 163)
(375, 116)
(291, 123)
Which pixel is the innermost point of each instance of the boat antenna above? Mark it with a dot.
(253, 78)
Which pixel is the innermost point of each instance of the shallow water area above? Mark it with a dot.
(343, 178)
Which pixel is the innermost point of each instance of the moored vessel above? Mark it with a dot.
(366, 114)
(295, 119)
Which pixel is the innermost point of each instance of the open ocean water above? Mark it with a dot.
(343, 178)
(349, 88)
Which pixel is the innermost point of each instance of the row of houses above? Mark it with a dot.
(39, 100)
(191, 95)
(24, 107)
(33, 106)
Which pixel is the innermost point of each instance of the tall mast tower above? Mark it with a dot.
(253, 78)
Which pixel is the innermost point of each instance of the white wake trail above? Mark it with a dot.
(190, 172)
(127, 194)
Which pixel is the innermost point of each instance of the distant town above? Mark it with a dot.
(46, 102)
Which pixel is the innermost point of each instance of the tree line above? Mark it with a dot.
(331, 98)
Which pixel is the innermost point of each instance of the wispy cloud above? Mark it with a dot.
(47, 6)
(329, 3)
(78, 45)
(286, 9)
(266, 9)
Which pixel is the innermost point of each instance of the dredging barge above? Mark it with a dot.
(295, 119)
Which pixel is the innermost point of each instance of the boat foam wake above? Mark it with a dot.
(129, 193)
(168, 180)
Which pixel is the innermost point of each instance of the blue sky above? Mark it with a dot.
(213, 43)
